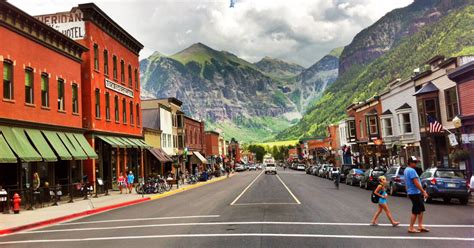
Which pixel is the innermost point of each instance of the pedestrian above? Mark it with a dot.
(130, 180)
(36, 181)
(121, 182)
(381, 192)
(416, 193)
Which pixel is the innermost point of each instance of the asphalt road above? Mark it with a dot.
(252, 209)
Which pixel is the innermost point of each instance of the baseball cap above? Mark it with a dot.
(413, 159)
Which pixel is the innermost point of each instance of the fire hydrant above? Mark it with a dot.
(16, 203)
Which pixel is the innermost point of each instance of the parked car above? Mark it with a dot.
(445, 183)
(259, 166)
(354, 176)
(370, 178)
(345, 168)
(252, 167)
(396, 180)
(315, 169)
(239, 167)
(300, 167)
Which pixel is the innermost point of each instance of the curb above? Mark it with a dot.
(7, 231)
(70, 216)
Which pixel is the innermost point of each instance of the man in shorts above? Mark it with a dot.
(416, 193)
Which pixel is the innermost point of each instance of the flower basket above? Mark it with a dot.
(459, 155)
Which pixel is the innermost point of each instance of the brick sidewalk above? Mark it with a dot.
(27, 219)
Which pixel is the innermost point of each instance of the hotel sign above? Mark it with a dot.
(118, 88)
(70, 24)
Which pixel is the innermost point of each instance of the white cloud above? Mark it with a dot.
(300, 31)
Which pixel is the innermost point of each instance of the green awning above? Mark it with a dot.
(121, 143)
(19, 143)
(41, 145)
(73, 147)
(109, 141)
(129, 142)
(144, 144)
(6, 154)
(57, 144)
(136, 142)
(86, 146)
(83, 154)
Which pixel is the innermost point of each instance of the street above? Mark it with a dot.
(251, 209)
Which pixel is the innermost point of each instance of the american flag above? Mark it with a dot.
(435, 126)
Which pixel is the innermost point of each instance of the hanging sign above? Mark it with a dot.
(465, 138)
(452, 139)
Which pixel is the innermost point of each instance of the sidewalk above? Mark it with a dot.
(10, 223)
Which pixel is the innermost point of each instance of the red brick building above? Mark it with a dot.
(211, 139)
(234, 150)
(111, 90)
(464, 78)
(40, 112)
(195, 142)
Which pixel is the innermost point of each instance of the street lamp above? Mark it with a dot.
(457, 122)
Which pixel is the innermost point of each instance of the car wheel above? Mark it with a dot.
(447, 200)
(393, 191)
(463, 201)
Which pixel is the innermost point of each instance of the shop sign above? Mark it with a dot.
(118, 88)
(452, 139)
(471, 138)
(70, 24)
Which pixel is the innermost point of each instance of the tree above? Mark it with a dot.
(258, 150)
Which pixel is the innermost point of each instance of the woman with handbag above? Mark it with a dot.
(382, 203)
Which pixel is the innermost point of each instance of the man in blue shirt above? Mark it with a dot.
(416, 193)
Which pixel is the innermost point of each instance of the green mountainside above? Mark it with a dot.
(279, 69)
(453, 35)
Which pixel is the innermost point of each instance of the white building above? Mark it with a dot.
(399, 121)
(166, 125)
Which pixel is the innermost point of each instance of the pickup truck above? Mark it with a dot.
(270, 168)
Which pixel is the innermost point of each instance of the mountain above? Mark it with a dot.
(219, 87)
(277, 68)
(390, 30)
(311, 82)
(452, 35)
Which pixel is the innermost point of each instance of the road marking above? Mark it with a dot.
(263, 203)
(248, 186)
(283, 235)
(291, 193)
(138, 219)
(229, 223)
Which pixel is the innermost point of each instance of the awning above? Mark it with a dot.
(200, 157)
(111, 142)
(161, 155)
(73, 146)
(41, 145)
(141, 143)
(19, 143)
(57, 144)
(6, 154)
(128, 142)
(122, 142)
(85, 146)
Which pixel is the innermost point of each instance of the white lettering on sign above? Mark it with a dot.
(118, 88)
(70, 24)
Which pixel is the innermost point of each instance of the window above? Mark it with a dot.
(44, 90)
(138, 115)
(130, 82)
(97, 103)
(180, 141)
(405, 123)
(131, 113)
(180, 121)
(29, 86)
(96, 57)
(361, 127)
(137, 86)
(387, 127)
(75, 99)
(451, 103)
(8, 80)
(107, 106)
(373, 127)
(106, 62)
(116, 107)
(122, 71)
(352, 129)
(61, 95)
(427, 107)
(124, 111)
(114, 61)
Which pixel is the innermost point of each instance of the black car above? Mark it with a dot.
(370, 179)
(345, 169)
